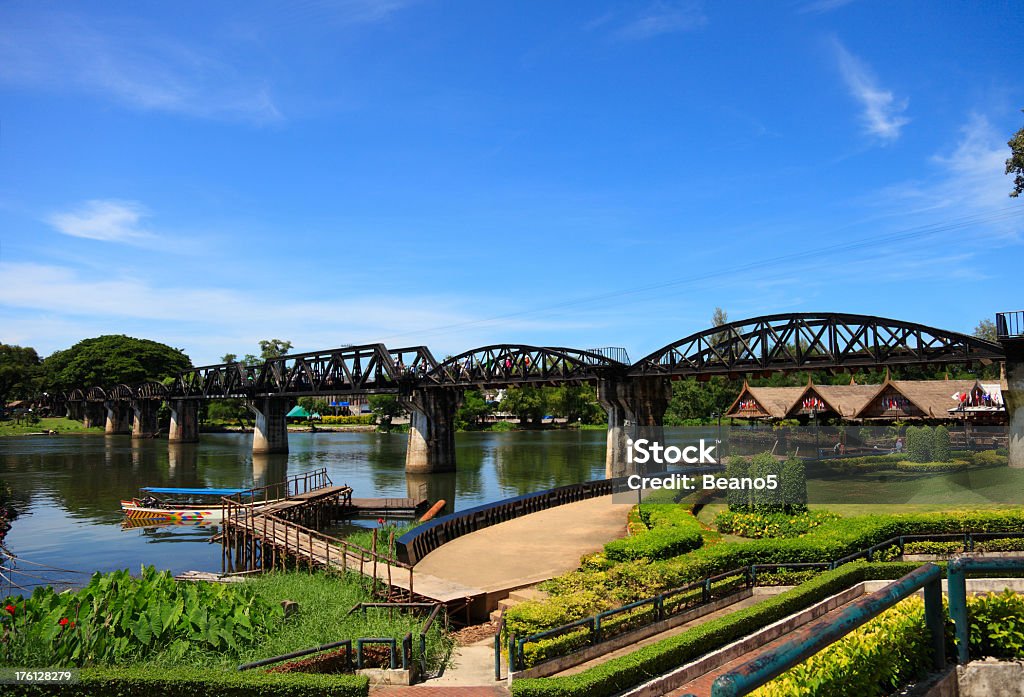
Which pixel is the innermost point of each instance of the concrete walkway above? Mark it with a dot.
(529, 549)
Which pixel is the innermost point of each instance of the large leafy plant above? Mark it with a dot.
(119, 618)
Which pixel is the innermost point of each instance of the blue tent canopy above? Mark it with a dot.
(191, 492)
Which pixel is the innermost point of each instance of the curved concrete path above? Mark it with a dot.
(529, 549)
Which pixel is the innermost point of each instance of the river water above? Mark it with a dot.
(71, 485)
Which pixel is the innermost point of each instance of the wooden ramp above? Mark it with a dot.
(265, 541)
(285, 530)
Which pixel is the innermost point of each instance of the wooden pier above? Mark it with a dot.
(283, 532)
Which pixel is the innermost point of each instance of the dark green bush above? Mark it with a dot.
(940, 444)
(762, 466)
(919, 444)
(193, 682)
(658, 531)
(794, 486)
(739, 499)
(997, 625)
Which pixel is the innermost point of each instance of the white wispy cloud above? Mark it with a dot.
(664, 17)
(822, 6)
(129, 61)
(105, 220)
(969, 177)
(882, 111)
(52, 306)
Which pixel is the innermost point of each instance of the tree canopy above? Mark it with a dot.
(19, 372)
(1015, 163)
(110, 360)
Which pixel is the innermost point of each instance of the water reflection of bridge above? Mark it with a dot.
(635, 396)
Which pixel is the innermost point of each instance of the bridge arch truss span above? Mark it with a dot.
(502, 365)
(122, 393)
(810, 341)
(151, 390)
(95, 394)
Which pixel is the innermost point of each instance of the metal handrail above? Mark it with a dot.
(810, 639)
(497, 643)
(299, 654)
(517, 660)
(956, 573)
(1010, 324)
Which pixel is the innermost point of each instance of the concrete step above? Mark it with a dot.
(520, 595)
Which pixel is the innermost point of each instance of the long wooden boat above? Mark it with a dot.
(177, 505)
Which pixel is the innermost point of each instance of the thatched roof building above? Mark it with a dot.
(763, 402)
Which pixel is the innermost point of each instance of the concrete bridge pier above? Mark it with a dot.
(75, 410)
(117, 417)
(145, 425)
(1013, 397)
(271, 432)
(94, 415)
(184, 421)
(431, 429)
(636, 409)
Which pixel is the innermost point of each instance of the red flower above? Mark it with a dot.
(63, 621)
(380, 521)
(10, 608)
(72, 625)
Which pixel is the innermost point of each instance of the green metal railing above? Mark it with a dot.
(596, 634)
(809, 639)
(812, 638)
(956, 572)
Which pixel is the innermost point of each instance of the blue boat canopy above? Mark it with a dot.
(192, 492)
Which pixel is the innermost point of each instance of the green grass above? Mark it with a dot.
(59, 424)
(364, 538)
(324, 601)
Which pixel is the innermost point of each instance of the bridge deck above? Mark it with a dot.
(526, 550)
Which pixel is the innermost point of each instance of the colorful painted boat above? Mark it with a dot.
(178, 505)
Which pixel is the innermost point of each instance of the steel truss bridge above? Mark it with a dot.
(761, 345)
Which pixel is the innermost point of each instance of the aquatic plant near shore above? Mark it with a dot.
(118, 618)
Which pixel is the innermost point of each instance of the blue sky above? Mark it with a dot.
(464, 173)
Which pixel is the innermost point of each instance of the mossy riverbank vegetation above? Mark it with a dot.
(153, 625)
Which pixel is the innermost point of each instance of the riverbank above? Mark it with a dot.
(42, 427)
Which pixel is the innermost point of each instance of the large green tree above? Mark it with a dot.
(474, 409)
(112, 359)
(576, 403)
(19, 372)
(1015, 163)
(986, 329)
(385, 407)
(530, 404)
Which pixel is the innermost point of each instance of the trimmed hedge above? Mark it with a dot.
(658, 531)
(777, 525)
(624, 672)
(579, 594)
(997, 625)
(195, 682)
(890, 650)
(356, 420)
